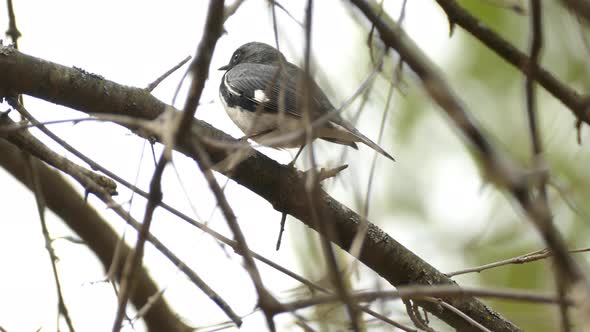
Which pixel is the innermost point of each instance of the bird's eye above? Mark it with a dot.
(236, 57)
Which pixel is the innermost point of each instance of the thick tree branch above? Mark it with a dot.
(280, 185)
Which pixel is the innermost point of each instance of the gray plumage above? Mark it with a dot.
(263, 94)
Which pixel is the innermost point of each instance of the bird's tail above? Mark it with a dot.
(359, 137)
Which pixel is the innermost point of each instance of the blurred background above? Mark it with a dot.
(434, 199)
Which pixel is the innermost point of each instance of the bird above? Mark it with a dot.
(263, 94)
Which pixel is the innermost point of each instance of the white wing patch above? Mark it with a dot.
(260, 97)
(229, 88)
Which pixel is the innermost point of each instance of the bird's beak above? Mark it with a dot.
(226, 67)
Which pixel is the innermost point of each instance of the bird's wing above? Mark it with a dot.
(276, 89)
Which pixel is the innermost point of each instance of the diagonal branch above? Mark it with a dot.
(27, 142)
(456, 14)
(280, 185)
(41, 207)
(134, 260)
(504, 173)
(66, 202)
(579, 7)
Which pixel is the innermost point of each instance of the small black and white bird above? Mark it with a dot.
(263, 95)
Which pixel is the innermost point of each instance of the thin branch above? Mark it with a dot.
(29, 143)
(266, 301)
(90, 183)
(281, 230)
(536, 45)
(538, 161)
(229, 10)
(200, 69)
(325, 174)
(579, 8)
(572, 99)
(415, 317)
(40, 201)
(191, 274)
(444, 291)
(313, 182)
(67, 203)
(152, 300)
(357, 243)
(12, 31)
(526, 258)
(275, 27)
(176, 261)
(159, 80)
(281, 7)
(144, 194)
(503, 172)
(200, 66)
(459, 313)
(262, 175)
(134, 261)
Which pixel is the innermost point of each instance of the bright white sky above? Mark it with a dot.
(133, 42)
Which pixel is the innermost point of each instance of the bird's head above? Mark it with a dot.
(255, 52)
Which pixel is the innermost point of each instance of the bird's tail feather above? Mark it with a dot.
(361, 138)
(365, 140)
(340, 141)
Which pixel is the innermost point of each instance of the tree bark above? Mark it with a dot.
(282, 186)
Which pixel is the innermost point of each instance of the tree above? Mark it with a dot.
(515, 170)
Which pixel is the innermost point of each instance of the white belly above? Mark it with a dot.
(278, 130)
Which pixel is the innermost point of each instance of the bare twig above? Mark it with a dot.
(149, 304)
(144, 194)
(504, 173)
(579, 7)
(325, 174)
(66, 202)
(357, 243)
(200, 69)
(419, 292)
(281, 7)
(12, 31)
(159, 80)
(229, 10)
(200, 66)
(536, 45)
(526, 258)
(538, 161)
(312, 179)
(29, 143)
(458, 312)
(415, 317)
(39, 199)
(281, 230)
(89, 182)
(266, 301)
(569, 97)
(134, 260)
(258, 173)
(275, 27)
